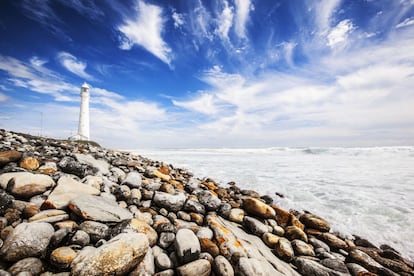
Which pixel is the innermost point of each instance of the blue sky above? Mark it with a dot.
(225, 73)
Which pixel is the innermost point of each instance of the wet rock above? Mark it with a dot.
(258, 208)
(25, 184)
(49, 216)
(62, 257)
(333, 241)
(9, 156)
(284, 249)
(209, 200)
(27, 240)
(310, 267)
(209, 246)
(136, 226)
(98, 209)
(236, 215)
(66, 190)
(194, 206)
(163, 262)
(336, 265)
(301, 248)
(31, 265)
(356, 269)
(95, 230)
(283, 217)
(187, 246)
(222, 267)
(293, 232)
(173, 203)
(359, 257)
(254, 226)
(270, 239)
(196, 268)
(318, 244)
(116, 257)
(315, 222)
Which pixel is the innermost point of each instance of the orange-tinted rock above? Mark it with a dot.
(315, 222)
(210, 247)
(197, 218)
(29, 163)
(9, 156)
(295, 222)
(284, 250)
(176, 184)
(256, 207)
(293, 232)
(62, 257)
(282, 216)
(161, 175)
(164, 169)
(333, 241)
(137, 226)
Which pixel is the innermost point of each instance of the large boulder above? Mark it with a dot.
(25, 184)
(27, 240)
(200, 267)
(171, 202)
(187, 246)
(9, 156)
(100, 165)
(118, 256)
(258, 208)
(315, 222)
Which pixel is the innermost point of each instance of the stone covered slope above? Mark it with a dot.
(75, 209)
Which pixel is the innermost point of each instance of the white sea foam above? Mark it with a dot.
(363, 191)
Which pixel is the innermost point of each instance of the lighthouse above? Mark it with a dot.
(83, 129)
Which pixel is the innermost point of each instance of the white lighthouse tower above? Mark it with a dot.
(83, 129)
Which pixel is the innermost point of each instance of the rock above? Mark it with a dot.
(59, 238)
(315, 222)
(25, 184)
(233, 241)
(98, 209)
(361, 258)
(135, 196)
(146, 267)
(254, 226)
(161, 175)
(252, 266)
(133, 180)
(32, 265)
(194, 206)
(318, 244)
(136, 226)
(95, 230)
(195, 268)
(80, 238)
(71, 166)
(166, 239)
(9, 156)
(293, 232)
(29, 163)
(236, 215)
(270, 239)
(294, 221)
(49, 216)
(356, 269)
(258, 208)
(168, 272)
(222, 266)
(116, 257)
(301, 248)
(163, 262)
(209, 200)
(6, 201)
(173, 203)
(100, 165)
(187, 246)
(48, 168)
(30, 210)
(27, 240)
(333, 241)
(336, 265)
(283, 217)
(205, 233)
(284, 249)
(66, 190)
(208, 246)
(62, 257)
(310, 267)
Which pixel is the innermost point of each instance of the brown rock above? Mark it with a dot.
(295, 222)
(301, 248)
(258, 208)
(9, 156)
(293, 232)
(29, 163)
(197, 218)
(49, 216)
(137, 226)
(210, 247)
(196, 268)
(161, 175)
(62, 257)
(26, 184)
(236, 215)
(167, 188)
(30, 210)
(164, 169)
(333, 241)
(270, 239)
(283, 217)
(359, 257)
(284, 250)
(315, 222)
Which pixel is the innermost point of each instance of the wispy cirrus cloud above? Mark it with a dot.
(72, 64)
(243, 8)
(145, 29)
(339, 33)
(3, 97)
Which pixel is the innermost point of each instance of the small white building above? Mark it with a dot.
(83, 128)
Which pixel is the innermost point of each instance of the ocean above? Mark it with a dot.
(363, 191)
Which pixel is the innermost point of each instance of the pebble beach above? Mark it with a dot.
(70, 208)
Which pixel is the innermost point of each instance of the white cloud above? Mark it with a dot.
(3, 97)
(324, 11)
(205, 104)
(340, 33)
(36, 61)
(72, 64)
(243, 8)
(405, 23)
(178, 19)
(225, 21)
(145, 29)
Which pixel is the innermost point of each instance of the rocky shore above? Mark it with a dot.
(78, 209)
